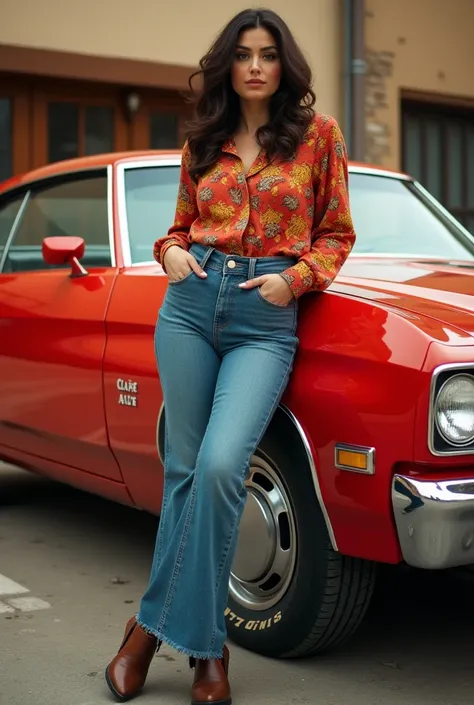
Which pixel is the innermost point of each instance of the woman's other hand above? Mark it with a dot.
(272, 287)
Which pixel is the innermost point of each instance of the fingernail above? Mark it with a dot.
(242, 285)
(204, 274)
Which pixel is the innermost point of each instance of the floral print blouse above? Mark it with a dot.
(297, 208)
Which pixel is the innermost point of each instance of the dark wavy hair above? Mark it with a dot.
(217, 106)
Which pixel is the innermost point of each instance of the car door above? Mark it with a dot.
(52, 326)
(146, 193)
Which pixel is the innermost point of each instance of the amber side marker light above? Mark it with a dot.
(355, 458)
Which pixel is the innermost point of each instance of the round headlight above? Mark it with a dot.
(454, 410)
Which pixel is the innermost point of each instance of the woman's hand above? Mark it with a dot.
(272, 287)
(178, 263)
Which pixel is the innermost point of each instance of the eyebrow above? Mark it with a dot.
(240, 46)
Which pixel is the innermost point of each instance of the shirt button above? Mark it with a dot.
(231, 264)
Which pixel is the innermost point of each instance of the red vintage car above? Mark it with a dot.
(370, 457)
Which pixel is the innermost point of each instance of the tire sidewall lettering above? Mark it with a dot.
(252, 624)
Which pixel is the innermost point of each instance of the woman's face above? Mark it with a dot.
(256, 69)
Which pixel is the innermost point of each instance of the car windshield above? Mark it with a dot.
(390, 216)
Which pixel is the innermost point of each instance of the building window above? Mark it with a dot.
(438, 150)
(76, 130)
(63, 131)
(99, 129)
(164, 131)
(5, 138)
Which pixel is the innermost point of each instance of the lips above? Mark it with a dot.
(255, 82)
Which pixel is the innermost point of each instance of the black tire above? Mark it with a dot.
(328, 593)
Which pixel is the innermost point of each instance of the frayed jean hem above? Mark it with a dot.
(202, 655)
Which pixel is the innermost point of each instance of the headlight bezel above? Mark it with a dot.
(449, 380)
(437, 442)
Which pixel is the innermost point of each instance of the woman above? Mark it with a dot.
(262, 218)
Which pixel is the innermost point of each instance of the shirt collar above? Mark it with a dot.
(260, 162)
(229, 147)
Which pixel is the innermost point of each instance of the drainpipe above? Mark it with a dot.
(348, 75)
(357, 72)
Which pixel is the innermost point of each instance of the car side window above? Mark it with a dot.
(8, 214)
(76, 206)
(150, 199)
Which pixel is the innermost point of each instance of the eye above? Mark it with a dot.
(270, 57)
(241, 56)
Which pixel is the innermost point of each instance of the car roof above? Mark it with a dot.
(115, 158)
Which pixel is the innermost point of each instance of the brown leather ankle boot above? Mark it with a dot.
(126, 673)
(211, 686)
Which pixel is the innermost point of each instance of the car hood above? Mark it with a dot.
(442, 290)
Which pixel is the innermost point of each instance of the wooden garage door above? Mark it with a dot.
(438, 149)
(80, 120)
(46, 120)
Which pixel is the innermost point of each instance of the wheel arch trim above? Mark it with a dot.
(314, 472)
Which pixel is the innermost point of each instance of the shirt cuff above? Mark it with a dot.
(299, 278)
(160, 254)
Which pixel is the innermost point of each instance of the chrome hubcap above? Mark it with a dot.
(266, 551)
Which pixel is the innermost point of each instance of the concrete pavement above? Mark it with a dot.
(83, 562)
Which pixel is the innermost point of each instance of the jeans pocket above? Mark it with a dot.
(181, 281)
(270, 303)
(199, 259)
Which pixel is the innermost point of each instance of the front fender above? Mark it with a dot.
(357, 381)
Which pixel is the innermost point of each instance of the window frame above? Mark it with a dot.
(29, 188)
(24, 197)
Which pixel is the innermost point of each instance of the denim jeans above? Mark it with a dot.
(224, 356)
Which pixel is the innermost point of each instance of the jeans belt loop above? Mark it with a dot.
(209, 252)
(252, 263)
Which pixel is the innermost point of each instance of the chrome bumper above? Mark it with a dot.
(435, 521)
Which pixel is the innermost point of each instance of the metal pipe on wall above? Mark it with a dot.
(348, 75)
(358, 70)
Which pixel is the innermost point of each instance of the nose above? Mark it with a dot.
(255, 65)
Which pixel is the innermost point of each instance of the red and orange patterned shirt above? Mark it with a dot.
(297, 208)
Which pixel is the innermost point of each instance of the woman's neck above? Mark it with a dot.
(252, 116)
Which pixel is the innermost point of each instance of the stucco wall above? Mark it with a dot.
(424, 45)
(171, 32)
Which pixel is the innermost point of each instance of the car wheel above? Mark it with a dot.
(290, 593)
